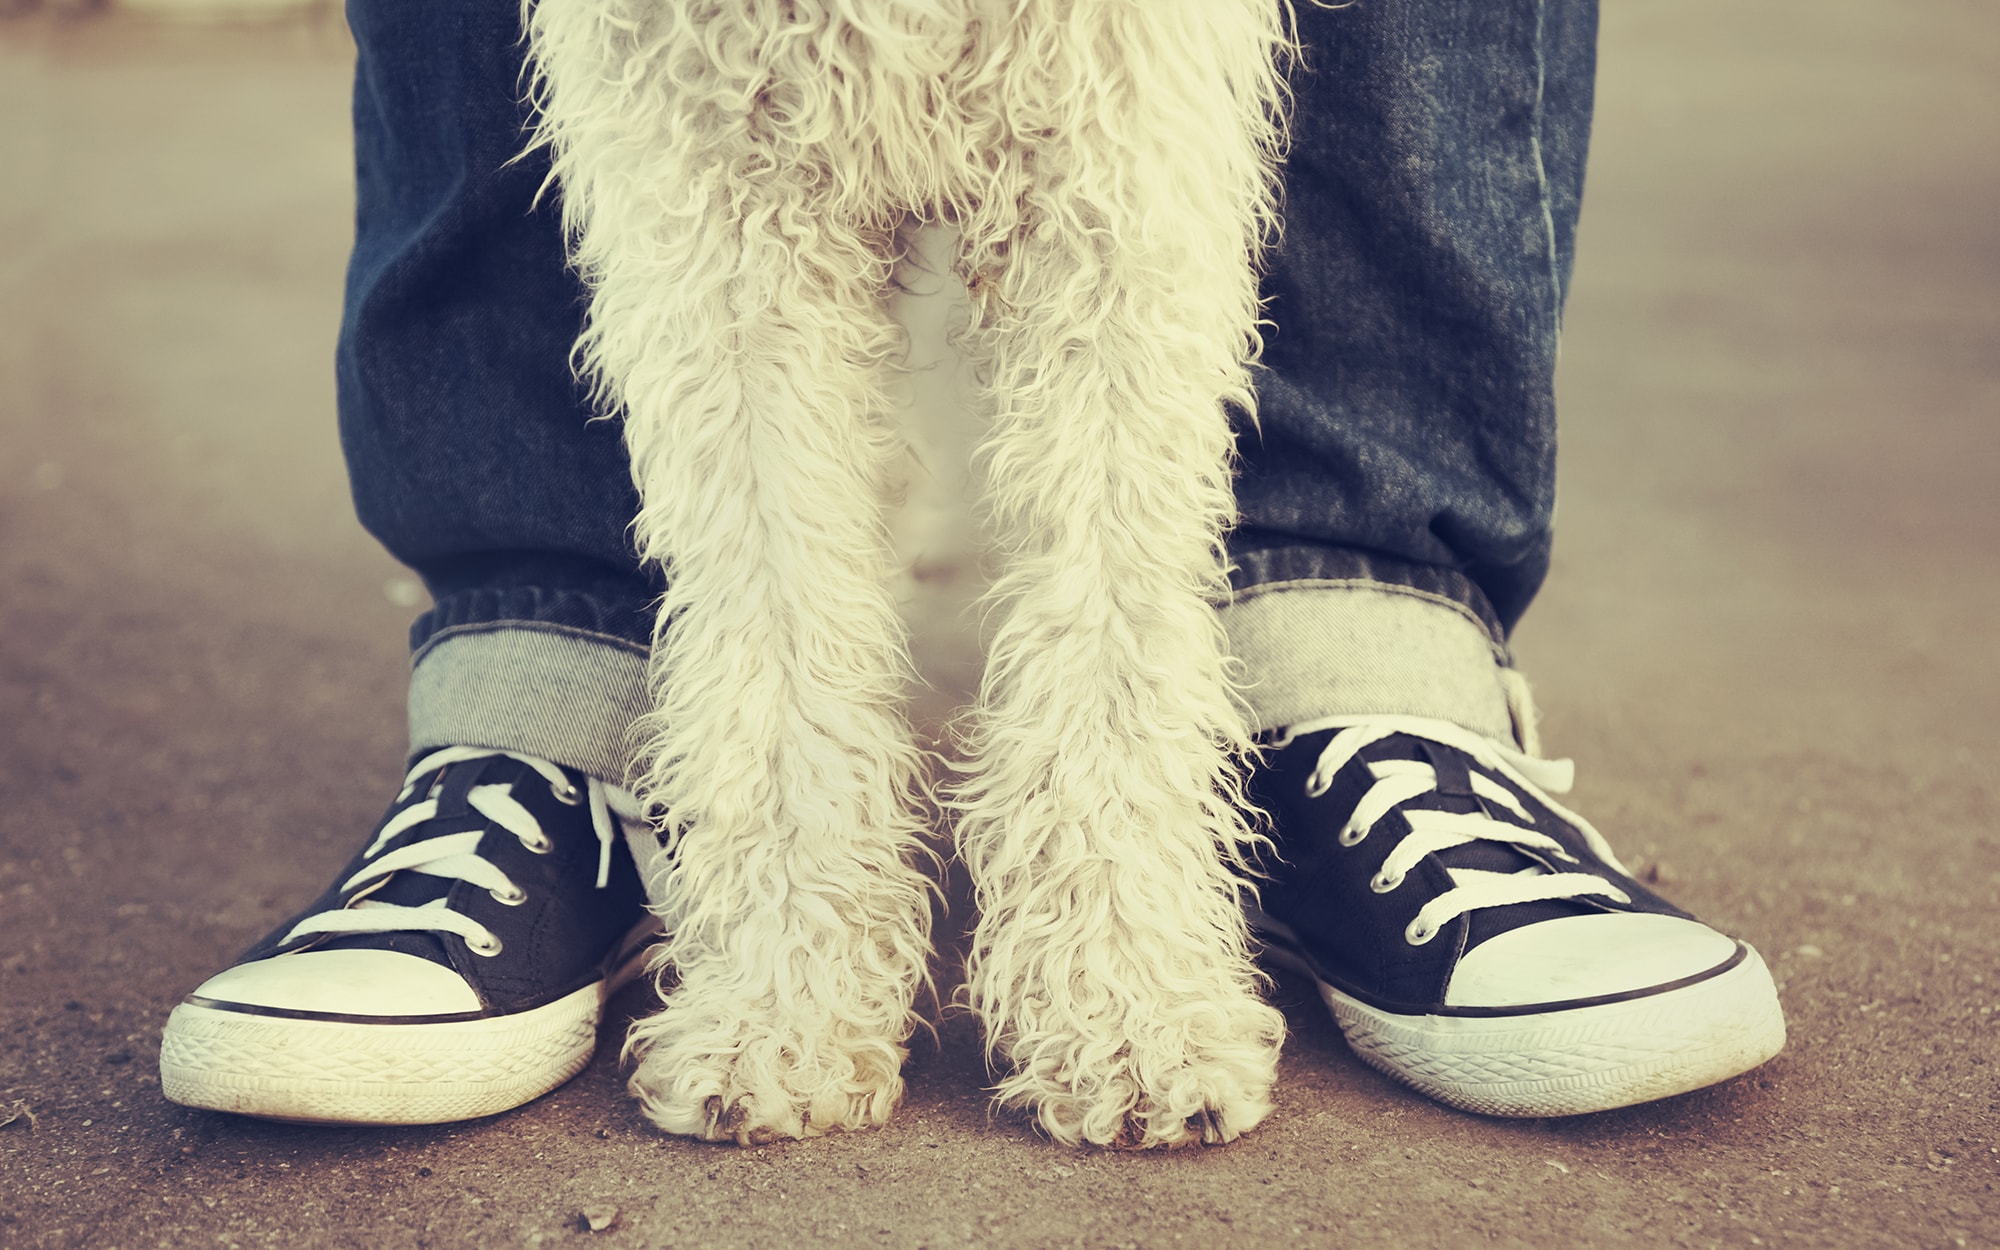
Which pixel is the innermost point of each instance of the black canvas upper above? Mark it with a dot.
(552, 943)
(1352, 936)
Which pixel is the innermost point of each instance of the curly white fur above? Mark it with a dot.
(732, 171)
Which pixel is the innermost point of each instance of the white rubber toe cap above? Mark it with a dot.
(344, 982)
(1585, 957)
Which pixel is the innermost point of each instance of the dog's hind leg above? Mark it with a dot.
(738, 325)
(1101, 816)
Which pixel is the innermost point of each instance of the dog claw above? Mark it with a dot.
(712, 1130)
(1209, 1124)
(725, 1123)
(733, 1118)
(1205, 1126)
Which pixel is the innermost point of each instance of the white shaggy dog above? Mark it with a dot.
(732, 172)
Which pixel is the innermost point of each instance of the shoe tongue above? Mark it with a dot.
(404, 889)
(1455, 793)
(452, 788)
(1454, 778)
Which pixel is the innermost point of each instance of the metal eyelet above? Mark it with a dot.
(540, 845)
(568, 795)
(512, 897)
(1415, 935)
(1382, 883)
(1317, 785)
(488, 947)
(1350, 836)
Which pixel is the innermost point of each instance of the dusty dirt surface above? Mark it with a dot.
(1769, 643)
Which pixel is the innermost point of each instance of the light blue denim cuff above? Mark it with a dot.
(1324, 647)
(566, 695)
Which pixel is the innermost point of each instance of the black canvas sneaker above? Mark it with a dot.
(1481, 943)
(456, 969)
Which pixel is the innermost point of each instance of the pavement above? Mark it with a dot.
(1769, 642)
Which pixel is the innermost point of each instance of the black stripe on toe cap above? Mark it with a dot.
(341, 1017)
(1393, 1007)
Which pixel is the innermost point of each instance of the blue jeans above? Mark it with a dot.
(1395, 500)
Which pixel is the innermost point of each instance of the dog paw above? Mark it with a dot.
(745, 1081)
(739, 1121)
(1150, 1087)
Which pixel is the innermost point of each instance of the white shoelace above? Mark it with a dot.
(1399, 781)
(454, 856)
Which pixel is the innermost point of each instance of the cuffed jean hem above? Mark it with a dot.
(564, 694)
(511, 589)
(1323, 632)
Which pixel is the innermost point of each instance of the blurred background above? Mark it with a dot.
(1769, 641)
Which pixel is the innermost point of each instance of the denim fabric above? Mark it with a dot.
(563, 694)
(1406, 439)
(1322, 632)
(468, 441)
(1431, 200)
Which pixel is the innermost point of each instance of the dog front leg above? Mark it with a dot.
(797, 924)
(739, 328)
(1102, 818)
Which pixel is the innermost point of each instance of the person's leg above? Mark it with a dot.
(457, 965)
(467, 437)
(1406, 439)
(1396, 500)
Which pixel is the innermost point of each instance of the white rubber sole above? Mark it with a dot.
(341, 1072)
(1575, 1060)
